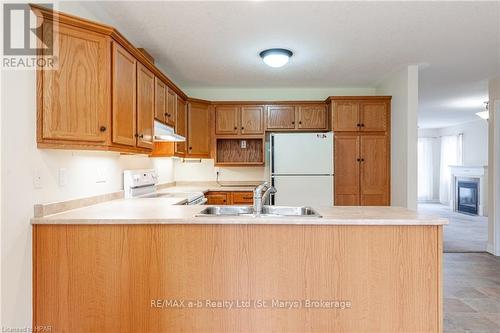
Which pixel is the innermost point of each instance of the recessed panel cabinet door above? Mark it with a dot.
(180, 126)
(252, 119)
(198, 130)
(345, 116)
(145, 106)
(160, 100)
(347, 162)
(227, 119)
(374, 172)
(281, 117)
(171, 107)
(124, 96)
(312, 117)
(75, 98)
(373, 116)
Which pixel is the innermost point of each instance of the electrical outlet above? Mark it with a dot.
(37, 179)
(243, 144)
(63, 177)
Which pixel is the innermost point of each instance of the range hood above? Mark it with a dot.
(166, 133)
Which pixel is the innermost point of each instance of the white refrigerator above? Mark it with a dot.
(301, 169)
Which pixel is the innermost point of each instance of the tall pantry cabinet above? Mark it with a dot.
(362, 150)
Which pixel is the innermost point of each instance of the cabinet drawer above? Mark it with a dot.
(218, 198)
(242, 198)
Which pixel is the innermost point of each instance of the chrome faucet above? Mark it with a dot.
(259, 198)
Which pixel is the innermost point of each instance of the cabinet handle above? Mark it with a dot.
(141, 136)
(359, 125)
(235, 127)
(359, 160)
(362, 160)
(190, 148)
(242, 127)
(136, 135)
(300, 123)
(165, 114)
(293, 122)
(362, 125)
(102, 129)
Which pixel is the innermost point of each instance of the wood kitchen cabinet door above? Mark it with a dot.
(280, 117)
(252, 119)
(312, 117)
(160, 100)
(347, 163)
(374, 170)
(198, 129)
(124, 97)
(171, 107)
(145, 106)
(180, 126)
(345, 116)
(227, 119)
(242, 198)
(218, 198)
(373, 116)
(74, 99)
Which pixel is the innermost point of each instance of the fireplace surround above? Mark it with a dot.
(469, 189)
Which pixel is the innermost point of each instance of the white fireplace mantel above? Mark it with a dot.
(463, 172)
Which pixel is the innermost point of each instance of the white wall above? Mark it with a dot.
(206, 171)
(88, 173)
(403, 87)
(475, 141)
(275, 94)
(494, 168)
(475, 146)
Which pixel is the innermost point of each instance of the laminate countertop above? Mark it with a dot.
(168, 211)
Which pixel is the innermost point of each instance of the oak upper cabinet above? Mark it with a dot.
(373, 116)
(145, 106)
(368, 114)
(345, 116)
(160, 100)
(252, 119)
(199, 131)
(346, 170)
(171, 107)
(227, 119)
(374, 170)
(312, 116)
(124, 97)
(181, 126)
(280, 117)
(74, 100)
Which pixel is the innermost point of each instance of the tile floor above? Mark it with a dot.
(464, 233)
(471, 290)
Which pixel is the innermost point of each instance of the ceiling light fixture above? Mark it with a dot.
(484, 114)
(276, 57)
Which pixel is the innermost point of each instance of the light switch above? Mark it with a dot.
(100, 175)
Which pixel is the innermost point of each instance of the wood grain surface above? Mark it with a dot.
(106, 278)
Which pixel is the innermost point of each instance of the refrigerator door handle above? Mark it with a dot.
(271, 154)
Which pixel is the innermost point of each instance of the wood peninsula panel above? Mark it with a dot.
(74, 100)
(106, 278)
(124, 97)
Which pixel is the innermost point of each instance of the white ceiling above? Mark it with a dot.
(335, 44)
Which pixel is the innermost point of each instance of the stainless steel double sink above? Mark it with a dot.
(267, 211)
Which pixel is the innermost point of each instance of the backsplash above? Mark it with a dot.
(192, 170)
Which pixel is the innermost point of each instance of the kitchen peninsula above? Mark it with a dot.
(143, 265)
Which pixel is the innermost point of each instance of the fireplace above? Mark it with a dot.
(468, 196)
